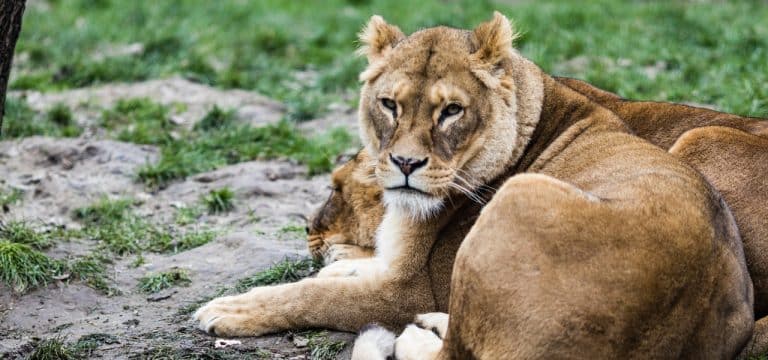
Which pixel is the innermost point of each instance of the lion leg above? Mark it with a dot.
(341, 303)
(551, 271)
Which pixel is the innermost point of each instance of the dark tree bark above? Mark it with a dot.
(11, 12)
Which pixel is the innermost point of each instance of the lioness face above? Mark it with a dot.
(432, 107)
(353, 210)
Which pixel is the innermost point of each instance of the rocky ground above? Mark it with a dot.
(57, 175)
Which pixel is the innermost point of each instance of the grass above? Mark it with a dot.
(321, 347)
(301, 53)
(287, 270)
(216, 118)
(152, 283)
(293, 229)
(53, 349)
(188, 214)
(208, 150)
(9, 197)
(21, 232)
(139, 120)
(114, 224)
(219, 200)
(23, 268)
(21, 121)
(83, 348)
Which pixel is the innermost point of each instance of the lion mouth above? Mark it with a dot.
(408, 189)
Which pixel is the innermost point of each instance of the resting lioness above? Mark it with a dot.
(607, 246)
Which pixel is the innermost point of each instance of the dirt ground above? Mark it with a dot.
(59, 175)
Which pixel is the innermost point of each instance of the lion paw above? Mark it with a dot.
(229, 316)
(436, 322)
(336, 252)
(416, 343)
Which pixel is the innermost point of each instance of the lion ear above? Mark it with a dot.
(493, 39)
(377, 37)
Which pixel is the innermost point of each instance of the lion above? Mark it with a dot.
(587, 241)
(345, 225)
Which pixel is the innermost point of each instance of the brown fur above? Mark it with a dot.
(345, 225)
(597, 244)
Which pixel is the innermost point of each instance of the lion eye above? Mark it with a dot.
(389, 104)
(452, 109)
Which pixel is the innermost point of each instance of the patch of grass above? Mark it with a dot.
(53, 349)
(323, 348)
(219, 200)
(21, 121)
(234, 144)
(301, 53)
(196, 353)
(288, 270)
(104, 211)
(139, 120)
(9, 197)
(188, 214)
(113, 223)
(23, 268)
(296, 229)
(86, 345)
(21, 232)
(91, 271)
(152, 283)
(216, 118)
(61, 115)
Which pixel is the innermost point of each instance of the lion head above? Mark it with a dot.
(352, 212)
(438, 110)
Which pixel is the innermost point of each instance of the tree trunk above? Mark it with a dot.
(11, 12)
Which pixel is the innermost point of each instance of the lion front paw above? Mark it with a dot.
(336, 252)
(232, 316)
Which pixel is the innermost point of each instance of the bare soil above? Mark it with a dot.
(59, 175)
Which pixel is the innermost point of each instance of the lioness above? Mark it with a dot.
(607, 245)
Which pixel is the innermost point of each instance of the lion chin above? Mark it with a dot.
(417, 204)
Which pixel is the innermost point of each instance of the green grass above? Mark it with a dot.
(91, 271)
(21, 121)
(53, 349)
(321, 347)
(301, 52)
(10, 197)
(83, 348)
(188, 214)
(22, 232)
(23, 268)
(288, 270)
(219, 200)
(209, 150)
(139, 120)
(152, 283)
(114, 224)
(216, 118)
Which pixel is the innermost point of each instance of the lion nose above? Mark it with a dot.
(408, 165)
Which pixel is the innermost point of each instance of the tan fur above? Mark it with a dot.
(350, 216)
(597, 243)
